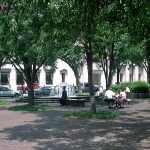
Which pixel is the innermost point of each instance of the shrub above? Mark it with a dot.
(135, 87)
(36, 107)
(120, 86)
(91, 115)
(140, 87)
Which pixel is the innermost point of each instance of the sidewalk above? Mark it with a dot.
(51, 131)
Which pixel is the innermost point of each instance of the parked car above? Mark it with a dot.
(7, 92)
(85, 87)
(42, 91)
(25, 87)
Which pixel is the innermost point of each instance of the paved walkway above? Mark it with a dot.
(51, 131)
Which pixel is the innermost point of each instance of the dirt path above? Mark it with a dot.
(51, 131)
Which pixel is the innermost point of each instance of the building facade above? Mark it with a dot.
(65, 75)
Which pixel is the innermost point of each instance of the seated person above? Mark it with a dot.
(121, 97)
(109, 97)
(64, 96)
(127, 90)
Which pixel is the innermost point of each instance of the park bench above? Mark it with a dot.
(80, 100)
(75, 102)
(71, 101)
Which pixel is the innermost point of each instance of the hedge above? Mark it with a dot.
(135, 87)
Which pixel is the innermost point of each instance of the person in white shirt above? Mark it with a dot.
(127, 92)
(109, 97)
(109, 94)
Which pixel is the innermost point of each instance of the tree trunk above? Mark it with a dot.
(0, 77)
(78, 82)
(30, 94)
(89, 60)
(148, 72)
(118, 75)
(108, 79)
(30, 78)
(90, 73)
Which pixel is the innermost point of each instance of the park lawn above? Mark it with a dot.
(35, 107)
(4, 102)
(91, 115)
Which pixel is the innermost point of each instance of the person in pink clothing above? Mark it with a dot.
(121, 97)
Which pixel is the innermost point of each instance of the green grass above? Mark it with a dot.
(91, 115)
(4, 102)
(36, 107)
(148, 100)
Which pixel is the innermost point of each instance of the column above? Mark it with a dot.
(136, 73)
(13, 79)
(127, 74)
(42, 77)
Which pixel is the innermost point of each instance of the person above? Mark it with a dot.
(64, 96)
(99, 91)
(122, 97)
(109, 97)
(127, 92)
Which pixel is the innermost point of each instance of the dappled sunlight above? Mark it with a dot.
(51, 130)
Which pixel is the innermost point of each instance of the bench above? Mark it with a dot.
(75, 102)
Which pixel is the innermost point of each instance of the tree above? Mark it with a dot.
(79, 18)
(138, 56)
(137, 22)
(74, 57)
(110, 46)
(28, 37)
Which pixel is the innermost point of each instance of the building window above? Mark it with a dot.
(97, 79)
(131, 77)
(37, 78)
(49, 78)
(63, 77)
(121, 77)
(63, 73)
(139, 77)
(20, 80)
(4, 78)
(140, 73)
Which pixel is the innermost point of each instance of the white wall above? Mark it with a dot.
(70, 77)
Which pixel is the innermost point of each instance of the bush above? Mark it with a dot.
(26, 107)
(135, 87)
(91, 115)
(139, 87)
(120, 86)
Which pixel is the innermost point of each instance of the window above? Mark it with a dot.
(37, 78)
(49, 78)
(121, 77)
(97, 78)
(20, 79)
(63, 73)
(4, 78)
(63, 77)
(140, 73)
(131, 77)
(131, 70)
(139, 77)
